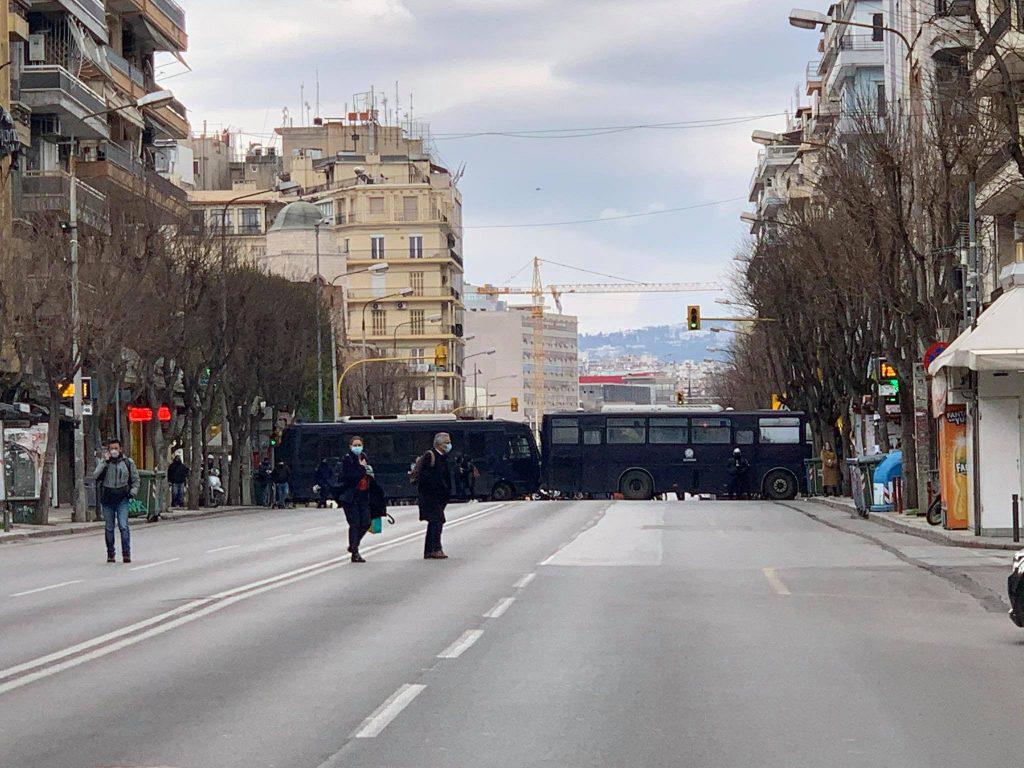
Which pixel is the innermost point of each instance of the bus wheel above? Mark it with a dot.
(636, 485)
(779, 485)
(502, 492)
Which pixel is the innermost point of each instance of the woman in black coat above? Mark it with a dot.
(354, 495)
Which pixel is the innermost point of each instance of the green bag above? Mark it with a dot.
(377, 525)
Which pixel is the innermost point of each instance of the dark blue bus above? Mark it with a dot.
(504, 453)
(643, 452)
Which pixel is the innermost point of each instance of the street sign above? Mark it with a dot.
(887, 389)
(933, 352)
(87, 408)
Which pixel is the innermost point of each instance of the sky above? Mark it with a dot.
(514, 65)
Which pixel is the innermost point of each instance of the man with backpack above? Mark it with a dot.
(117, 483)
(434, 488)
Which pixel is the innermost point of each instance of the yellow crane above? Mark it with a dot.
(537, 292)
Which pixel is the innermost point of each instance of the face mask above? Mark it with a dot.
(357, 449)
(115, 454)
(447, 447)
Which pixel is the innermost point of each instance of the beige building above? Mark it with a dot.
(243, 221)
(509, 372)
(389, 201)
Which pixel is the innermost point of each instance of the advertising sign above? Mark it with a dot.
(24, 454)
(953, 466)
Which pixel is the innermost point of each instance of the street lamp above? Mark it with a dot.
(476, 372)
(366, 303)
(803, 19)
(394, 334)
(487, 386)
(154, 99)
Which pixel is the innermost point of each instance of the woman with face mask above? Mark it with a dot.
(355, 495)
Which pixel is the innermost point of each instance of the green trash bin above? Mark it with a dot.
(150, 497)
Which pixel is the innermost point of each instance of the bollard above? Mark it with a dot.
(1016, 517)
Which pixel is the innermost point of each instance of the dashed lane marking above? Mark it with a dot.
(499, 608)
(46, 588)
(461, 645)
(154, 565)
(388, 711)
(776, 583)
(524, 581)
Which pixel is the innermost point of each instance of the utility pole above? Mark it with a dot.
(80, 507)
(319, 343)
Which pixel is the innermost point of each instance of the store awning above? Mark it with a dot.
(995, 344)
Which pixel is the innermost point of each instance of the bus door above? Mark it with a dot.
(520, 454)
(711, 443)
(672, 468)
(565, 460)
(625, 448)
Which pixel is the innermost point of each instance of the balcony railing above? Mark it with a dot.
(368, 294)
(172, 11)
(121, 157)
(814, 71)
(126, 68)
(860, 43)
(44, 78)
(51, 191)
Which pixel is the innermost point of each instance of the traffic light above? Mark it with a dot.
(275, 438)
(514, 404)
(693, 317)
(776, 402)
(680, 398)
(440, 356)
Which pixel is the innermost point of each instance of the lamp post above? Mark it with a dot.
(366, 303)
(476, 371)
(79, 507)
(379, 268)
(487, 386)
(394, 334)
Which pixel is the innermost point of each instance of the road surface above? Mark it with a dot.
(588, 633)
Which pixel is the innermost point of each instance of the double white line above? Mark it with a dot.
(98, 647)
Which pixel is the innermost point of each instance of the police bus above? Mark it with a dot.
(642, 451)
(503, 453)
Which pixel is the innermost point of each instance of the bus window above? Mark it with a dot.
(476, 445)
(518, 447)
(779, 431)
(711, 432)
(565, 432)
(309, 449)
(591, 435)
(744, 437)
(627, 431)
(670, 431)
(380, 447)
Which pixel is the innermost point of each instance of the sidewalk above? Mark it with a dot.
(918, 526)
(61, 525)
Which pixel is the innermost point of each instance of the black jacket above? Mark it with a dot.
(435, 485)
(737, 465)
(351, 472)
(177, 472)
(281, 474)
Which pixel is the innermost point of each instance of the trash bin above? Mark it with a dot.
(812, 470)
(862, 471)
(150, 497)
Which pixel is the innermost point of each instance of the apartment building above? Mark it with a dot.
(243, 222)
(212, 156)
(85, 57)
(389, 200)
(509, 371)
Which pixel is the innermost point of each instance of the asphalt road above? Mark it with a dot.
(558, 634)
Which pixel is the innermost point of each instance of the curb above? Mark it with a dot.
(921, 533)
(16, 536)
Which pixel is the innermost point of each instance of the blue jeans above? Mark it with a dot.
(281, 493)
(177, 494)
(119, 513)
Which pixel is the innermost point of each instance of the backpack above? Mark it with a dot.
(417, 468)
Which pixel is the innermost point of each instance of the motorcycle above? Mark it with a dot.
(1015, 589)
(215, 490)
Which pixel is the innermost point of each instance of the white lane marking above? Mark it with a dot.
(624, 535)
(154, 565)
(388, 711)
(279, 536)
(44, 589)
(461, 645)
(314, 528)
(499, 608)
(524, 581)
(223, 549)
(45, 666)
(776, 583)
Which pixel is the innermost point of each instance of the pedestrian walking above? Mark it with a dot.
(117, 483)
(830, 479)
(261, 476)
(280, 476)
(434, 489)
(737, 467)
(354, 494)
(322, 481)
(465, 477)
(177, 476)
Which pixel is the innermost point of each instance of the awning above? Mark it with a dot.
(995, 344)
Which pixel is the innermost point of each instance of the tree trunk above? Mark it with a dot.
(197, 478)
(908, 443)
(42, 516)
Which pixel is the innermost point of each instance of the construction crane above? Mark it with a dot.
(537, 292)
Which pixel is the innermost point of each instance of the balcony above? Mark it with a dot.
(814, 76)
(91, 13)
(369, 294)
(1006, 39)
(48, 89)
(127, 77)
(853, 52)
(1000, 194)
(170, 120)
(118, 167)
(44, 191)
(163, 22)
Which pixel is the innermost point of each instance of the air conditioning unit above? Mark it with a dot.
(37, 48)
(400, 305)
(375, 305)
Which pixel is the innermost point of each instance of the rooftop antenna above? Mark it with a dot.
(302, 100)
(318, 91)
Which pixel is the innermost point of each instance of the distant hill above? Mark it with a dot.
(665, 342)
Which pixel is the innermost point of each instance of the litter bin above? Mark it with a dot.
(149, 500)
(812, 470)
(862, 486)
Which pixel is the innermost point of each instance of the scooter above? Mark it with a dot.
(215, 491)
(1015, 589)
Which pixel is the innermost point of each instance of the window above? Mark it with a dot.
(876, 27)
(880, 89)
(518, 448)
(415, 246)
(344, 245)
(380, 448)
(198, 219)
(222, 220)
(417, 358)
(591, 436)
(670, 431)
(410, 209)
(377, 247)
(780, 431)
(416, 283)
(627, 431)
(380, 322)
(565, 432)
(416, 322)
(744, 437)
(250, 224)
(711, 431)
(376, 205)
(419, 393)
